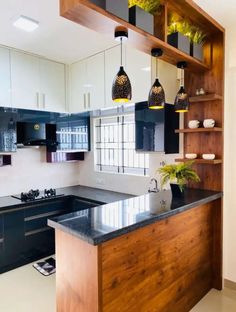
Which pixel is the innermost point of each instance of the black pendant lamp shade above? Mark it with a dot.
(182, 99)
(156, 99)
(121, 87)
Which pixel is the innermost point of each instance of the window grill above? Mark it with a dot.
(115, 146)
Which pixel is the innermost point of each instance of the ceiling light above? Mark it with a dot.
(121, 87)
(156, 98)
(182, 100)
(26, 23)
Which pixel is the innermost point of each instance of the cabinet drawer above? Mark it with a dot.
(45, 208)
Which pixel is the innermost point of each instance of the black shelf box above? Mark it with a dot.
(180, 42)
(141, 19)
(116, 7)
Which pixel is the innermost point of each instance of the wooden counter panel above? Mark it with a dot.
(77, 276)
(166, 266)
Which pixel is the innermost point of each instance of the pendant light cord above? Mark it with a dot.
(121, 51)
(182, 77)
(157, 68)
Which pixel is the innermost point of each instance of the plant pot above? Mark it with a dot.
(141, 19)
(180, 42)
(118, 8)
(176, 192)
(196, 50)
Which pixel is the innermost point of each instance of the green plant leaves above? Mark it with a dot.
(150, 6)
(180, 173)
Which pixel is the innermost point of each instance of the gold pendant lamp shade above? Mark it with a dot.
(121, 87)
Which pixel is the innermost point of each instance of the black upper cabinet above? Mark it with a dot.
(7, 130)
(64, 132)
(155, 129)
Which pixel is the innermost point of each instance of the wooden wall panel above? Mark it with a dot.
(167, 266)
(78, 276)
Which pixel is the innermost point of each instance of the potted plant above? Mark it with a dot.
(141, 14)
(178, 175)
(179, 33)
(197, 41)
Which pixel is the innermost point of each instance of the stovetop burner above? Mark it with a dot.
(33, 195)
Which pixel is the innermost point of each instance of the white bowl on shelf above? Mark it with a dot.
(208, 156)
(193, 124)
(191, 156)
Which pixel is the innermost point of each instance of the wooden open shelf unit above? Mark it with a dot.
(208, 74)
(197, 130)
(205, 98)
(201, 161)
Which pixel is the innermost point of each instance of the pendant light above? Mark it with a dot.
(121, 87)
(182, 99)
(156, 99)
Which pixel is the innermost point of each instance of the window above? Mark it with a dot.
(115, 146)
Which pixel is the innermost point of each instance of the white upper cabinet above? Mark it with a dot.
(52, 86)
(37, 83)
(139, 71)
(87, 78)
(5, 78)
(168, 79)
(25, 80)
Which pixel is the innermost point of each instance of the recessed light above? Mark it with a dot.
(26, 23)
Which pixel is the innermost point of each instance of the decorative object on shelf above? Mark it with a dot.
(197, 40)
(193, 124)
(197, 92)
(202, 91)
(150, 6)
(156, 98)
(191, 156)
(121, 88)
(118, 8)
(141, 19)
(208, 156)
(209, 123)
(178, 175)
(182, 100)
(179, 35)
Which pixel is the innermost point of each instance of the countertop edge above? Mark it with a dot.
(109, 236)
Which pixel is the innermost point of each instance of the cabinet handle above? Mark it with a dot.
(85, 104)
(89, 104)
(37, 99)
(44, 100)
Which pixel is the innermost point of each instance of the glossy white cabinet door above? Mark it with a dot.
(5, 78)
(95, 82)
(78, 97)
(168, 79)
(52, 86)
(25, 80)
(139, 72)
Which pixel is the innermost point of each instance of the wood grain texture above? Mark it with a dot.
(78, 276)
(167, 266)
(91, 16)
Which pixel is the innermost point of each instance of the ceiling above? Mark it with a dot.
(65, 41)
(56, 38)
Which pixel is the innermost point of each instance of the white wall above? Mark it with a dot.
(30, 170)
(229, 155)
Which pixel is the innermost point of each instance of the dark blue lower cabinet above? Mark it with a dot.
(13, 240)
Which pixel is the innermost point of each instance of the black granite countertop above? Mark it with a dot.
(98, 195)
(99, 224)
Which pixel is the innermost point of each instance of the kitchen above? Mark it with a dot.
(66, 87)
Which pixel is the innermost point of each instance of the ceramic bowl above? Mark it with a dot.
(209, 123)
(191, 156)
(208, 156)
(193, 124)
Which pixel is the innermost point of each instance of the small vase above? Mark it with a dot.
(176, 191)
